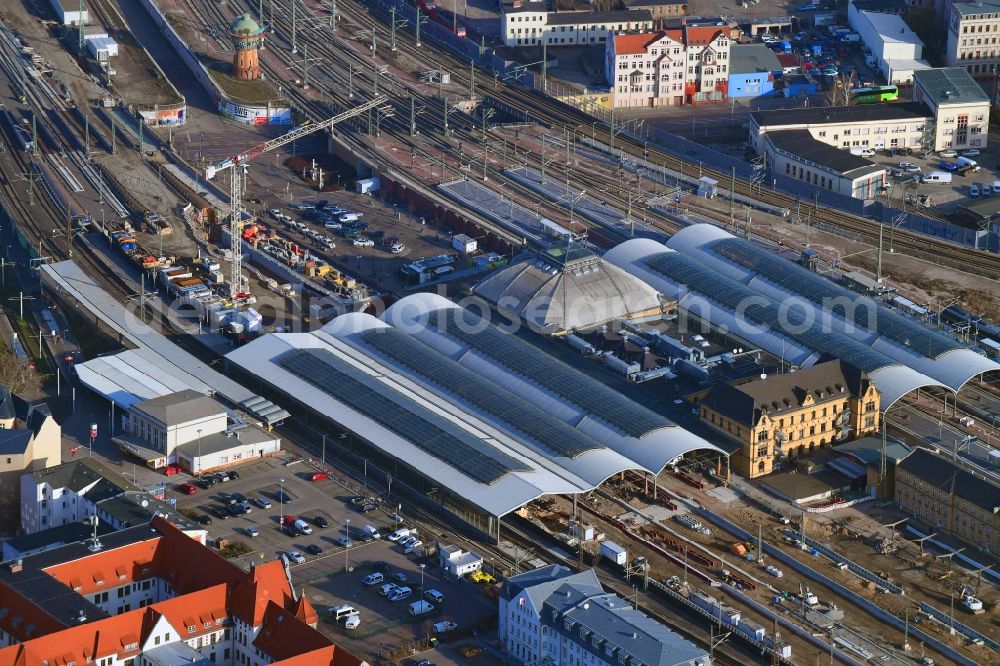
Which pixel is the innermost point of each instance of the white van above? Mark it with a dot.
(340, 612)
(371, 532)
(974, 190)
(352, 621)
(996, 187)
(434, 597)
(349, 217)
(400, 533)
(303, 527)
(420, 607)
(863, 152)
(936, 177)
(413, 545)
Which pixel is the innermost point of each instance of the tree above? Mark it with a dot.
(17, 374)
(839, 93)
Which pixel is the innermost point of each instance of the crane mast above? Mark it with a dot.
(238, 165)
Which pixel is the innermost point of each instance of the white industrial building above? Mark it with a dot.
(447, 409)
(194, 431)
(795, 153)
(458, 562)
(553, 615)
(897, 50)
(71, 12)
(101, 47)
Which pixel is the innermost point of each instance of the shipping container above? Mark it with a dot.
(614, 552)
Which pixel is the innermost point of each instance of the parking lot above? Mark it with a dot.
(333, 577)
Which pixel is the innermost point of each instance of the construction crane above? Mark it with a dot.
(238, 164)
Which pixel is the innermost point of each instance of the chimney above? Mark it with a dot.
(17, 565)
(684, 27)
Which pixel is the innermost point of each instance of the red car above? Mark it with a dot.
(187, 488)
(289, 520)
(170, 470)
(319, 476)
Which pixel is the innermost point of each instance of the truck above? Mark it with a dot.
(966, 163)
(614, 552)
(366, 185)
(850, 37)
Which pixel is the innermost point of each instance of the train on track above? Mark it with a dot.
(428, 7)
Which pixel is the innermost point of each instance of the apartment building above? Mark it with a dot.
(974, 36)
(30, 438)
(686, 65)
(792, 414)
(875, 126)
(960, 106)
(947, 497)
(529, 23)
(154, 596)
(553, 615)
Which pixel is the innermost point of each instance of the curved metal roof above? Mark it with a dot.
(647, 438)
(726, 303)
(886, 331)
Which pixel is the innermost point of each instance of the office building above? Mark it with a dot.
(753, 69)
(796, 154)
(791, 414)
(961, 109)
(194, 431)
(973, 32)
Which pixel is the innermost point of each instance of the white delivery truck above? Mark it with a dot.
(936, 177)
(421, 607)
(614, 552)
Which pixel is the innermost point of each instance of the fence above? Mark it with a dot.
(837, 558)
(865, 605)
(963, 629)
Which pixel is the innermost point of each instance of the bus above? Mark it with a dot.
(875, 94)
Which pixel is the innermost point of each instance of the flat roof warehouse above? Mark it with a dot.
(485, 416)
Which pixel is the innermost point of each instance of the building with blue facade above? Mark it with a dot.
(753, 69)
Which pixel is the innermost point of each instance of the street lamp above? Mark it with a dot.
(347, 546)
(422, 566)
(281, 495)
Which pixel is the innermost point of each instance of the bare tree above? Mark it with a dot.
(17, 374)
(839, 93)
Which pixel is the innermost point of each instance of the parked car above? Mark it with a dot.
(909, 167)
(170, 470)
(972, 152)
(262, 502)
(222, 476)
(204, 519)
(235, 510)
(220, 513)
(400, 593)
(296, 557)
(320, 521)
(187, 488)
(233, 475)
(282, 497)
(949, 153)
(239, 497)
(399, 577)
(984, 189)
(252, 532)
(363, 242)
(387, 589)
(948, 166)
(368, 508)
(313, 549)
(319, 476)
(974, 190)
(372, 579)
(343, 541)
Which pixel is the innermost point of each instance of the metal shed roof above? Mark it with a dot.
(704, 294)
(890, 333)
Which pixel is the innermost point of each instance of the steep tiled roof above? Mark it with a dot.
(282, 635)
(634, 43)
(304, 610)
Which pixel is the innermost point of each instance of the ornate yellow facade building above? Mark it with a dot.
(791, 415)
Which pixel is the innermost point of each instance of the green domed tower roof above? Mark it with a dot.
(245, 26)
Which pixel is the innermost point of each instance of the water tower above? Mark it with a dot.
(246, 36)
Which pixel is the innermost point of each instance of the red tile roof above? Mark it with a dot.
(209, 589)
(634, 43)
